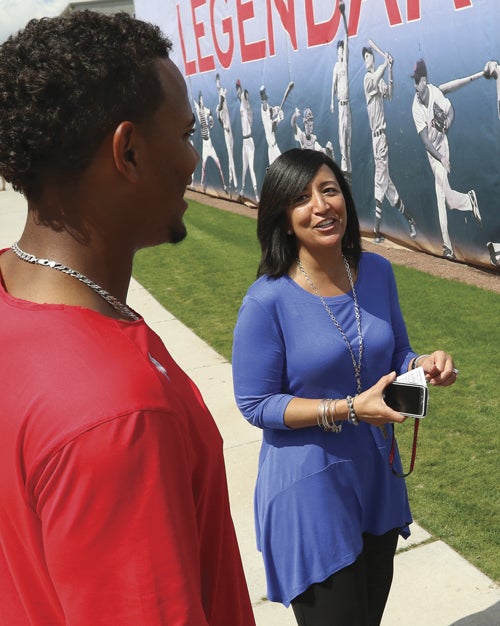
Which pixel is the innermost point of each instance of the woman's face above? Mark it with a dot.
(318, 215)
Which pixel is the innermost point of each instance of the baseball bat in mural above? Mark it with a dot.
(289, 88)
(374, 46)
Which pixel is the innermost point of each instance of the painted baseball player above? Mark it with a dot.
(224, 118)
(376, 90)
(494, 250)
(433, 115)
(248, 147)
(306, 138)
(207, 149)
(340, 86)
(492, 70)
(271, 117)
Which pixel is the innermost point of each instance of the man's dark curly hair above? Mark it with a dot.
(65, 83)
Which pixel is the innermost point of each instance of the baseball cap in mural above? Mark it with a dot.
(419, 70)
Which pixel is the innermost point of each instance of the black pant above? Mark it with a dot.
(356, 595)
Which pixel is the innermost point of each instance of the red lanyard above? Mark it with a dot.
(413, 451)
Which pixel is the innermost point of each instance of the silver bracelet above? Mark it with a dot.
(324, 417)
(419, 356)
(318, 416)
(324, 414)
(334, 427)
(351, 413)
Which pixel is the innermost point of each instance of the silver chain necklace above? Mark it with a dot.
(123, 309)
(355, 364)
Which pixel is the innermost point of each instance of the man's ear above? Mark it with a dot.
(125, 150)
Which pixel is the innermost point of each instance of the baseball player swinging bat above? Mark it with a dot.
(289, 88)
(378, 49)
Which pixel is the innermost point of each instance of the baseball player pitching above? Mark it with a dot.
(433, 115)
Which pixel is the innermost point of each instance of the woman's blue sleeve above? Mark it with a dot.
(403, 352)
(258, 366)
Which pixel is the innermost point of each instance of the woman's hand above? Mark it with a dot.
(438, 368)
(371, 408)
(369, 405)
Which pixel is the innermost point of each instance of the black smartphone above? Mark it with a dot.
(407, 398)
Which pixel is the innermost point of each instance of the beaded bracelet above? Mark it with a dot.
(351, 413)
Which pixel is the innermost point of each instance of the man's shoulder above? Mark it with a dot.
(436, 92)
(81, 360)
(88, 379)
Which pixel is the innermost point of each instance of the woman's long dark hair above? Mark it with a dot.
(285, 179)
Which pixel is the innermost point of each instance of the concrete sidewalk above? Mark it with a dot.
(433, 585)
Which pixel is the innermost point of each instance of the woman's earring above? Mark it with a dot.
(289, 232)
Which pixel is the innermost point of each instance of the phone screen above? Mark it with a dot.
(406, 398)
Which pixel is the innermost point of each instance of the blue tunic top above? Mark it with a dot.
(317, 492)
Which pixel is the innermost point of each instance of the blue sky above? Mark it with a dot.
(14, 14)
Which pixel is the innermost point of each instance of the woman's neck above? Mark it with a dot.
(327, 273)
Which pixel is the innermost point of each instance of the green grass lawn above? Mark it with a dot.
(454, 488)
(203, 279)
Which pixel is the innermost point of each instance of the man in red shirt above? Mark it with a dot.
(113, 498)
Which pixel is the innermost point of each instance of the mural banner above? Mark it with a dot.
(404, 94)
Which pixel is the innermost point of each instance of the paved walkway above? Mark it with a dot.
(433, 585)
